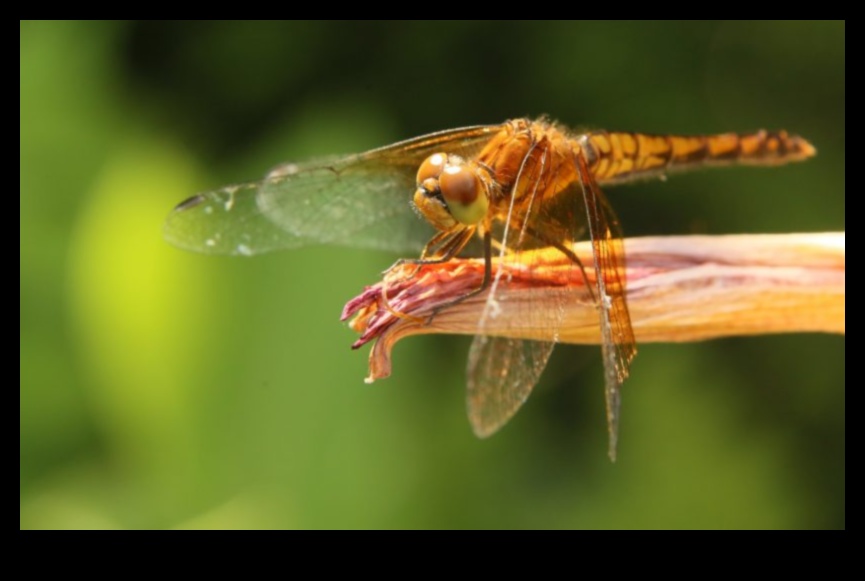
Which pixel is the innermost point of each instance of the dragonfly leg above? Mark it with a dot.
(444, 246)
(485, 283)
(435, 242)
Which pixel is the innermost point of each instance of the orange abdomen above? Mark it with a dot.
(618, 157)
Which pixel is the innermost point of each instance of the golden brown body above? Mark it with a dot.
(545, 155)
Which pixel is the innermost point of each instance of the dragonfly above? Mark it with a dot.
(516, 186)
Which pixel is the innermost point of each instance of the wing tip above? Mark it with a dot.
(189, 203)
(481, 430)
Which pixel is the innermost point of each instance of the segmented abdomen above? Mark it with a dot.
(619, 156)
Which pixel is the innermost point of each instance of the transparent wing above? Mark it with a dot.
(618, 345)
(360, 200)
(361, 205)
(502, 373)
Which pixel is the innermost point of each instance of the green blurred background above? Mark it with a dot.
(161, 389)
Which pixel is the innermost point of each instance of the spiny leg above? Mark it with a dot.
(448, 244)
(485, 283)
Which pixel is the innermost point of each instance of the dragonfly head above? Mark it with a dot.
(450, 192)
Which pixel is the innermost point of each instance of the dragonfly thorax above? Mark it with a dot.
(451, 192)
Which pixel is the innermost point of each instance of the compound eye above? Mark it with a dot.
(431, 168)
(464, 193)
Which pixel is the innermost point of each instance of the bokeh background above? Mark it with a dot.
(164, 389)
